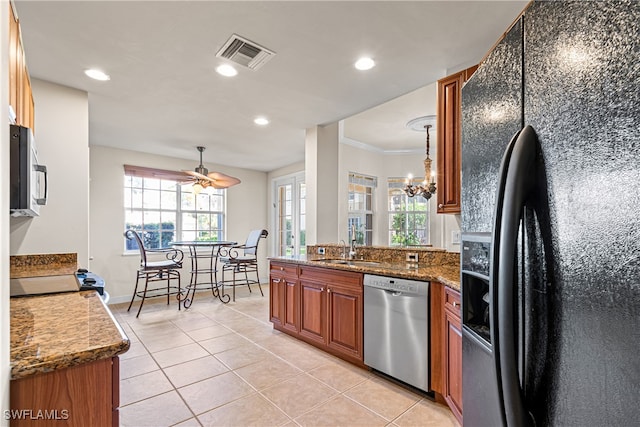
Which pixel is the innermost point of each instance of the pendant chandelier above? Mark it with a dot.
(428, 187)
(202, 178)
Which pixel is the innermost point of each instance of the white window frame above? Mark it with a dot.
(362, 219)
(395, 186)
(167, 183)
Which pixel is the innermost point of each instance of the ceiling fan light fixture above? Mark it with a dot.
(203, 179)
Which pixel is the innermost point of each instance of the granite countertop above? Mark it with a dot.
(446, 274)
(57, 331)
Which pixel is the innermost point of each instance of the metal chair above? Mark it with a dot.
(242, 263)
(164, 270)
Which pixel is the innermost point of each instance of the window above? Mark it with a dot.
(163, 210)
(290, 214)
(408, 216)
(361, 188)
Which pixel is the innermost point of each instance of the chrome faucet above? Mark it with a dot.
(353, 252)
(344, 249)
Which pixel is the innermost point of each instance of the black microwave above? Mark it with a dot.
(28, 177)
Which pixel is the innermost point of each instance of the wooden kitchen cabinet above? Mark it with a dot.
(446, 342)
(313, 311)
(453, 352)
(20, 94)
(284, 296)
(330, 307)
(449, 161)
(345, 306)
(83, 395)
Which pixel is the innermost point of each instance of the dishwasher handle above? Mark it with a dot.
(393, 293)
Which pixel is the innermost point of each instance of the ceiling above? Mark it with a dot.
(164, 96)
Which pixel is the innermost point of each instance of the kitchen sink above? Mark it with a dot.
(343, 261)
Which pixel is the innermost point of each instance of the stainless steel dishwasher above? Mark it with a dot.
(396, 328)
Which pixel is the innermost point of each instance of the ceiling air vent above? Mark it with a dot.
(245, 52)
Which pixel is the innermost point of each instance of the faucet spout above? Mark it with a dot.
(344, 249)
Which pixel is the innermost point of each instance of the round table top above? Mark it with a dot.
(203, 243)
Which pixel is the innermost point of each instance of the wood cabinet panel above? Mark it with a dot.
(276, 299)
(453, 352)
(84, 395)
(345, 320)
(437, 339)
(449, 160)
(20, 95)
(283, 298)
(321, 306)
(290, 305)
(312, 311)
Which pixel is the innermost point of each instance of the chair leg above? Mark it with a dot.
(234, 285)
(135, 291)
(168, 286)
(144, 294)
(179, 289)
(246, 279)
(258, 281)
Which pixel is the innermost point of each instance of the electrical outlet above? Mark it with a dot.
(320, 251)
(455, 237)
(412, 257)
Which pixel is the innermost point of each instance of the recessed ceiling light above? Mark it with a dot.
(365, 63)
(227, 70)
(262, 121)
(97, 74)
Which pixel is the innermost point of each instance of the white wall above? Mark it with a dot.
(383, 166)
(62, 140)
(4, 218)
(246, 210)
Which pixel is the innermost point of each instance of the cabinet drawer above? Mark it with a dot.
(283, 269)
(452, 301)
(330, 276)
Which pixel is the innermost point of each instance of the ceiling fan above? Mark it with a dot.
(202, 178)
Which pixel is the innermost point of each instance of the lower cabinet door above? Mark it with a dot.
(276, 294)
(312, 311)
(345, 321)
(290, 305)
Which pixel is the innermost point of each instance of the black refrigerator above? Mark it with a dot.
(551, 215)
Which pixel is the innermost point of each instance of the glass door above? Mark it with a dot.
(290, 209)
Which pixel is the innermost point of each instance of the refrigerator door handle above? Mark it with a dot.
(517, 181)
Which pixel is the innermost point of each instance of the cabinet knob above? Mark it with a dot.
(276, 281)
(328, 290)
(455, 304)
(281, 268)
(440, 206)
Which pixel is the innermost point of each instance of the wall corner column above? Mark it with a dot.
(321, 179)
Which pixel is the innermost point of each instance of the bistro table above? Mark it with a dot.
(204, 261)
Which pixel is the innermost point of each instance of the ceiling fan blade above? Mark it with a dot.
(221, 180)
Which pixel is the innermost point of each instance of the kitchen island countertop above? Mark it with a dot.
(57, 331)
(447, 274)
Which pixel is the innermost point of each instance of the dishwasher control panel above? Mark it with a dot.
(395, 284)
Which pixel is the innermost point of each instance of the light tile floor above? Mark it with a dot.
(223, 365)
